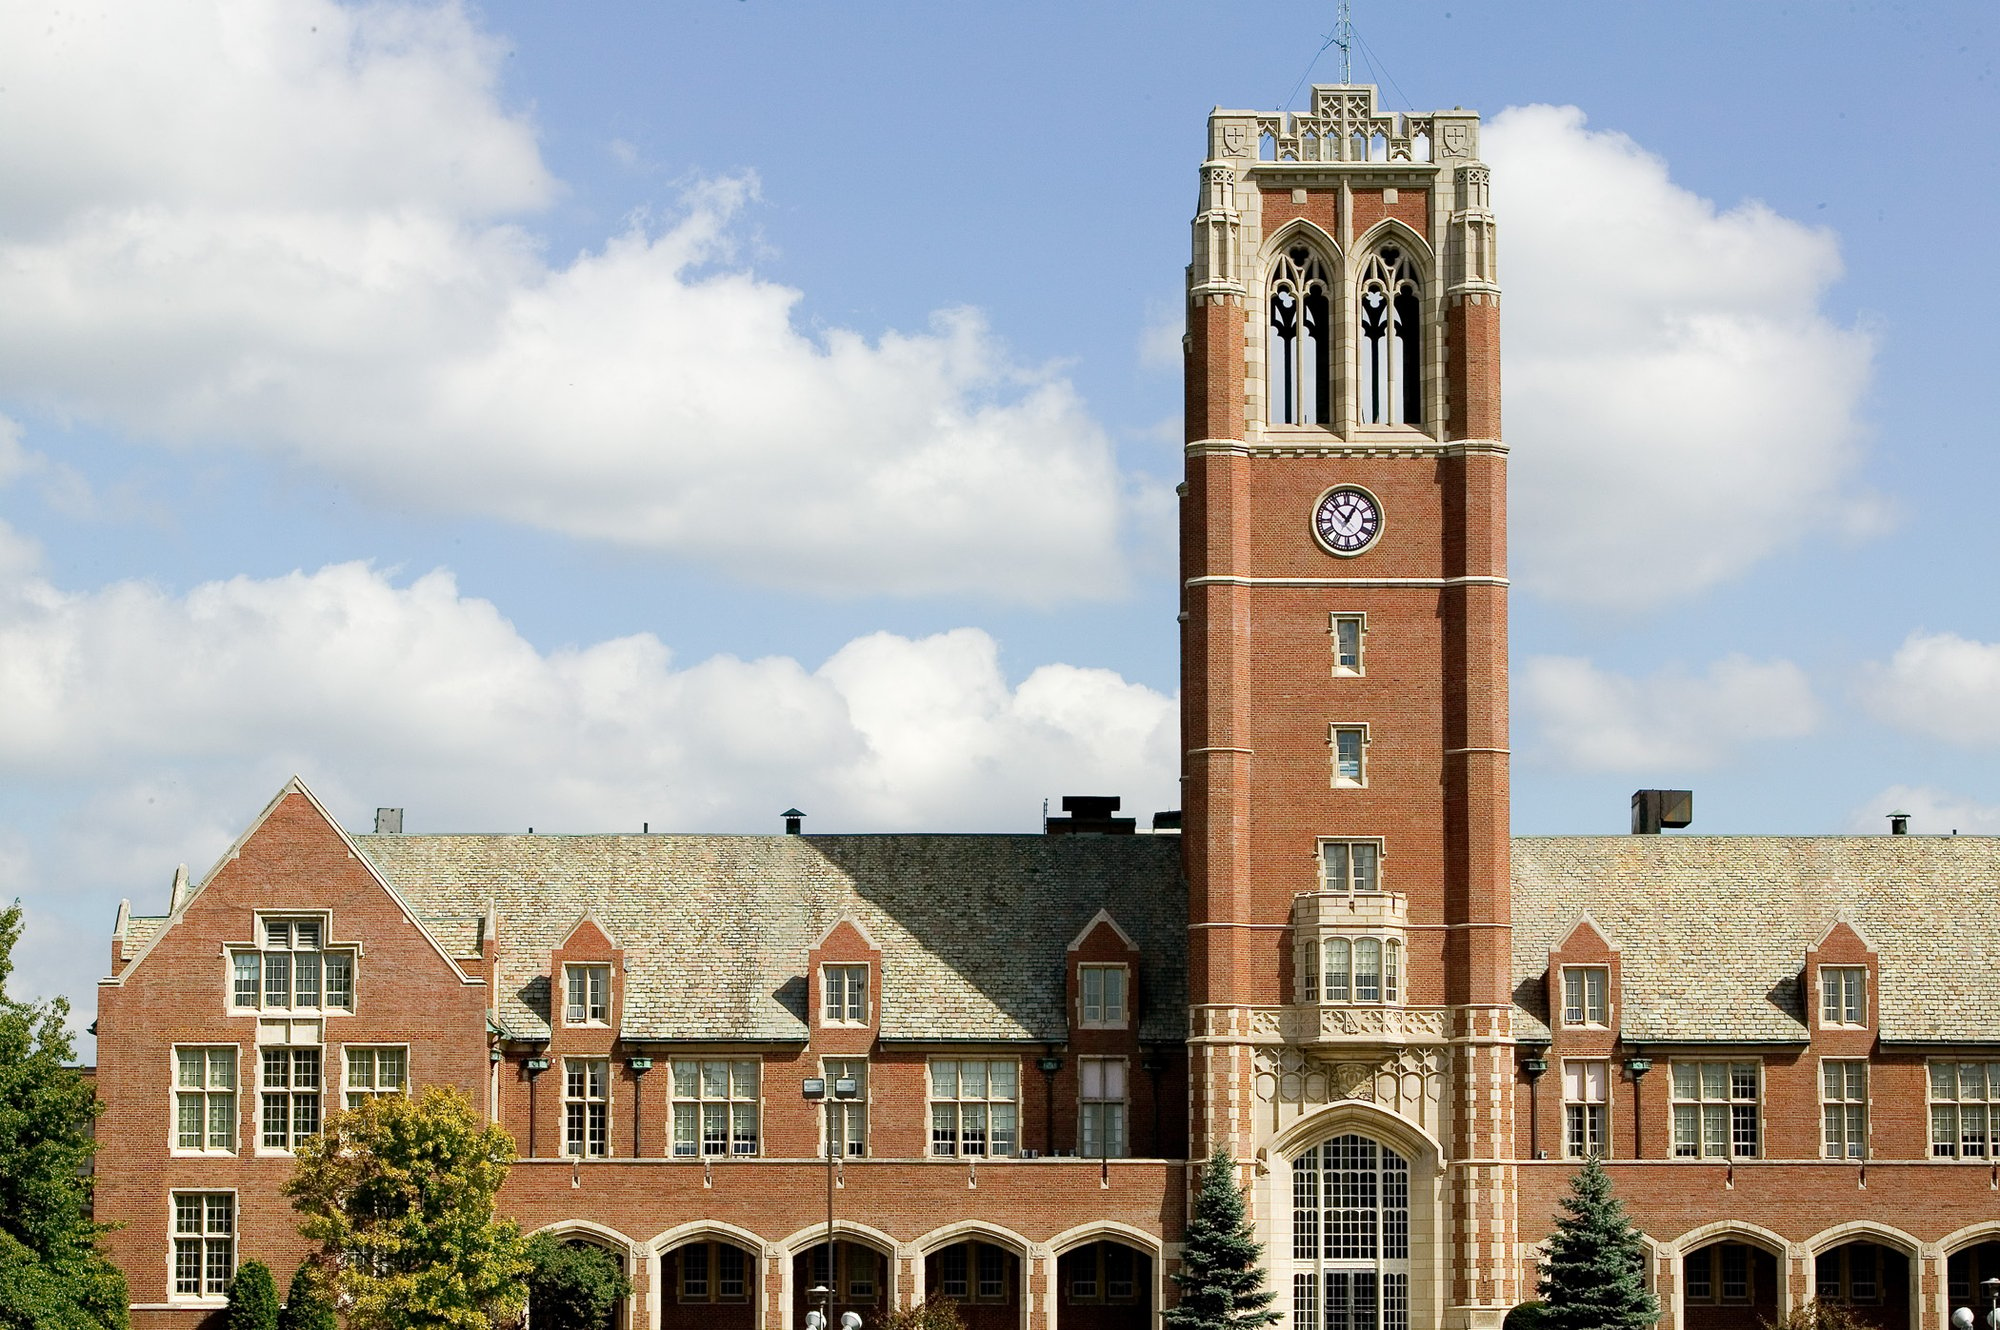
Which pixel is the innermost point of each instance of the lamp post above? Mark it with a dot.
(814, 1090)
(1965, 1318)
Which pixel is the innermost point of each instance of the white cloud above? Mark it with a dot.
(313, 247)
(372, 686)
(1679, 404)
(1933, 812)
(1591, 719)
(1940, 685)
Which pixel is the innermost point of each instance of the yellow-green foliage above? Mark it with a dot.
(398, 1194)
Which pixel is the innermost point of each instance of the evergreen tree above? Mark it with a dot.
(572, 1285)
(1593, 1277)
(52, 1276)
(1220, 1280)
(253, 1298)
(398, 1193)
(306, 1307)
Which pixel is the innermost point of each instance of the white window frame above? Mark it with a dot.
(1843, 1098)
(1359, 733)
(691, 1089)
(951, 1114)
(1352, 879)
(1843, 992)
(1968, 1117)
(1110, 1011)
(1586, 1119)
(208, 1092)
(847, 1117)
(1593, 1010)
(204, 1240)
(586, 1100)
(1335, 621)
(351, 1092)
(297, 1056)
(1104, 1108)
(586, 993)
(326, 959)
(844, 991)
(1706, 1107)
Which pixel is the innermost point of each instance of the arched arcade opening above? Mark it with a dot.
(1104, 1285)
(1729, 1285)
(982, 1277)
(857, 1277)
(708, 1282)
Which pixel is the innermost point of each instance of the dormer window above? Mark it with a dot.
(846, 993)
(1843, 995)
(1586, 995)
(1101, 996)
(293, 969)
(587, 994)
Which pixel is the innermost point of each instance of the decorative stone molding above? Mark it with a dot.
(1409, 1082)
(1324, 1025)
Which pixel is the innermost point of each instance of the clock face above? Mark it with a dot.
(1347, 520)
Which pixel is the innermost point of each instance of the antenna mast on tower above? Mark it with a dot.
(1343, 37)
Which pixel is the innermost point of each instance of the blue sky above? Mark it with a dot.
(581, 416)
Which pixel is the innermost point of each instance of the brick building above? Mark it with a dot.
(1404, 1023)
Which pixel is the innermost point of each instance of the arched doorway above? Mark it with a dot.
(1350, 1236)
(1868, 1278)
(983, 1278)
(1965, 1274)
(1106, 1285)
(708, 1282)
(1728, 1285)
(858, 1277)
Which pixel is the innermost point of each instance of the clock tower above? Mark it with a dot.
(1344, 695)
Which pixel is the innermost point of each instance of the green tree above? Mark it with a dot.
(52, 1275)
(306, 1307)
(253, 1298)
(398, 1194)
(572, 1285)
(1221, 1282)
(1593, 1276)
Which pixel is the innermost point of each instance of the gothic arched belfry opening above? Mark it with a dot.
(1344, 694)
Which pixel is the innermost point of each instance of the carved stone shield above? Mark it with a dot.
(1236, 140)
(1457, 140)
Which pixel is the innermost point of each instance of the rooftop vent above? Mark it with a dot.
(388, 821)
(792, 818)
(1169, 820)
(1653, 809)
(1899, 824)
(1090, 813)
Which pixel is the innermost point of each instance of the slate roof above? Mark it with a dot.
(974, 930)
(1712, 930)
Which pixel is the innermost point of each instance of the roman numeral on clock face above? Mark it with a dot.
(1347, 520)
